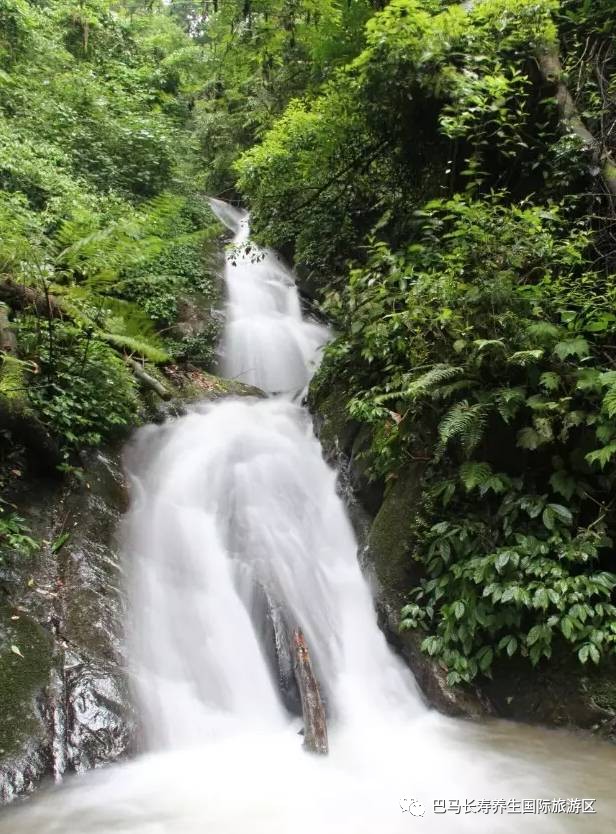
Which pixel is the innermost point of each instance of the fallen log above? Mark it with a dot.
(271, 623)
(146, 380)
(315, 726)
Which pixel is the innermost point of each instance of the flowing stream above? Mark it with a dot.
(235, 534)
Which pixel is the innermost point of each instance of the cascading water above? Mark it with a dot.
(235, 524)
(235, 512)
(266, 342)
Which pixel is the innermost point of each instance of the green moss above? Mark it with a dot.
(21, 677)
(392, 532)
(609, 170)
(195, 384)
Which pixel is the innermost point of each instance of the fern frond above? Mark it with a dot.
(474, 474)
(445, 391)
(526, 357)
(483, 344)
(509, 401)
(126, 318)
(609, 402)
(138, 346)
(543, 332)
(465, 423)
(434, 382)
(432, 379)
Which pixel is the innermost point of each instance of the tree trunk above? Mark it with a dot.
(315, 727)
(552, 73)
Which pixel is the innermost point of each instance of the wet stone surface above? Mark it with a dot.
(64, 699)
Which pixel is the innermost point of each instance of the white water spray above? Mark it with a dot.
(234, 517)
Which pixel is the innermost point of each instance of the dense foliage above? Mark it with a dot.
(105, 228)
(459, 233)
(258, 55)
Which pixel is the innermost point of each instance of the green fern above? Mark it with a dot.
(609, 402)
(543, 332)
(443, 392)
(484, 344)
(113, 320)
(509, 401)
(526, 357)
(474, 474)
(139, 346)
(431, 380)
(125, 318)
(99, 254)
(465, 423)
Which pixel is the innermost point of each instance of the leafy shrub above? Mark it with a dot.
(84, 391)
(480, 350)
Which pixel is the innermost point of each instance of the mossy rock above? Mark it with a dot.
(388, 545)
(192, 384)
(22, 678)
(336, 430)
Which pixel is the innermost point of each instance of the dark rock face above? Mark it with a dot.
(24, 755)
(64, 702)
(562, 693)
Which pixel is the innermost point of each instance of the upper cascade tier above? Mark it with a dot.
(267, 342)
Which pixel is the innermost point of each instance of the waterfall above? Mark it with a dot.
(235, 526)
(234, 505)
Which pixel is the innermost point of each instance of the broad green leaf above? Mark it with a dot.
(563, 483)
(577, 347)
(566, 626)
